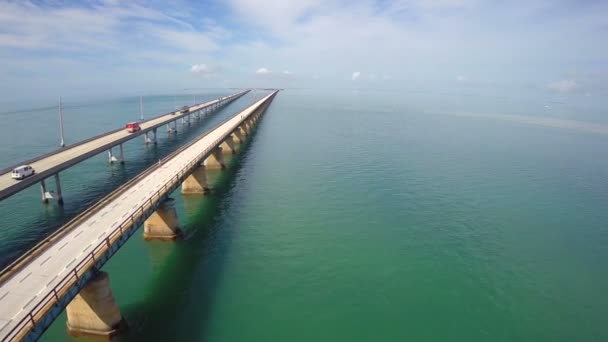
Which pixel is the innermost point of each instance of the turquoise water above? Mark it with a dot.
(355, 216)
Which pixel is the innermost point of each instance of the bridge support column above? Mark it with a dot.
(43, 190)
(94, 311)
(196, 183)
(215, 160)
(122, 154)
(247, 125)
(59, 195)
(113, 159)
(148, 139)
(238, 137)
(163, 224)
(228, 146)
(244, 130)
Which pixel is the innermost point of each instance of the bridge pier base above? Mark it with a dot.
(196, 183)
(237, 137)
(215, 160)
(94, 311)
(243, 130)
(228, 146)
(163, 224)
(148, 139)
(247, 125)
(113, 159)
(52, 195)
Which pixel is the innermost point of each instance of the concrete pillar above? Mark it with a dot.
(247, 125)
(238, 137)
(163, 224)
(243, 130)
(228, 146)
(196, 183)
(94, 311)
(122, 154)
(150, 137)
(112, 158)
(215, 160)
(43, 190)
(58, 189)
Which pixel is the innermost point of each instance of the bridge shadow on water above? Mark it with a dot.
(179, 303)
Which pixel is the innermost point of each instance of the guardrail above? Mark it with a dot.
(60, 289)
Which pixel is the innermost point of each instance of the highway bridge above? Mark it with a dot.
(50, 164)
(64, 270)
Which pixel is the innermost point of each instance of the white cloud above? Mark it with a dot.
(287, 72)
(356, 75)
(405, 5)
(201, 69)
(263, 71)
(461, 78)
(563, 86)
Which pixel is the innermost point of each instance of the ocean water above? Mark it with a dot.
(358, 216)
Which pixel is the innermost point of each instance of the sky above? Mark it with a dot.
(111, 47)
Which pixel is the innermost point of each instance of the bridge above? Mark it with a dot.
(64, 270)
(52, 163)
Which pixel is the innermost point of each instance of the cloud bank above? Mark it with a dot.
(50, 46)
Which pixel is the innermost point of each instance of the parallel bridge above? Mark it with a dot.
(63, 271)
(51, 164)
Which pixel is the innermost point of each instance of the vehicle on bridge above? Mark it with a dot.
(132, 127)
(23, 171)
(185, 109)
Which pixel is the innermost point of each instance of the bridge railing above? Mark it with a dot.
(61, 288)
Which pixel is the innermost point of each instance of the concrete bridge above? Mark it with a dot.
(50, 164)
(63, 271)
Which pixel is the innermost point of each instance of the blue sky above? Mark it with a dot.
(72, 48)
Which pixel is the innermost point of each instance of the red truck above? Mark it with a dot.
(132, 127)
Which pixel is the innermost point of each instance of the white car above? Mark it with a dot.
(22, 171)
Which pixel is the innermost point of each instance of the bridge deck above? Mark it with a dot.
(39, 275)
(70, 155)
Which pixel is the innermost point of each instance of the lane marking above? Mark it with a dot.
(28, 302)
(52, 279)
(71, 262)
(29, 274)
(45, 260)
(87, 247)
